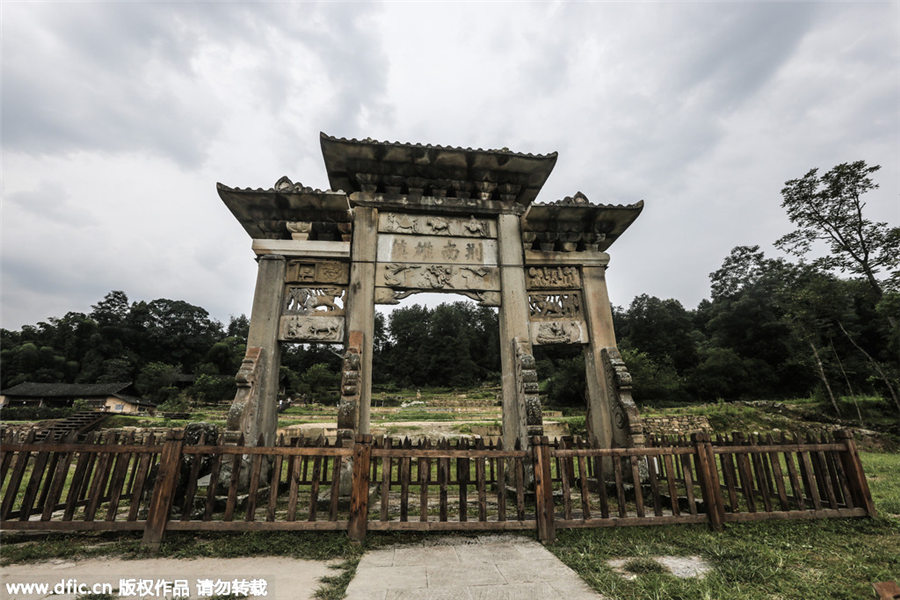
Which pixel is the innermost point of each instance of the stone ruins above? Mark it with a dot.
(408, 218)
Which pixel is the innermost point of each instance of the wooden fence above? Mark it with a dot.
(114, 483)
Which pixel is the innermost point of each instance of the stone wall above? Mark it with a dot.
(675, 425)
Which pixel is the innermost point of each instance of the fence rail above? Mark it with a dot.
(109, 482)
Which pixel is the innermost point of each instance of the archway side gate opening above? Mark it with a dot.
(410, 218)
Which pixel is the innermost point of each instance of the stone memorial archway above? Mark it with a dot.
(409, 218)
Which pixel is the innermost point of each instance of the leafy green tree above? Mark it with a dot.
(210, 389)
(156, 381)
(321, 384)
(566, 385)
(116, 370)
(238, 327)
(408, 329)
(663, 329)
(652, 381)
(829, 208)
(721, 374)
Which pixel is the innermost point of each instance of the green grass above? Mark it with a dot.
(335, 586)
(643, 565)
(824, 559)
(883, 474)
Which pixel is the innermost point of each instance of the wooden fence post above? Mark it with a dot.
(164, 490)
(543, 489)
(359, 492)
(709, 480)
(856, 478)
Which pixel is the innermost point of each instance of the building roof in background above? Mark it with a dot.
(65, 390)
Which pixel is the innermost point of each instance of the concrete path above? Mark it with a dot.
(484, 568)
(285, 578)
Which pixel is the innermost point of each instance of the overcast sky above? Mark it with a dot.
(118, 120)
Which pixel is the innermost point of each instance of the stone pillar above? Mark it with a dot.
(598, 313)
(513, 319)
(361, 303)
(254, 411)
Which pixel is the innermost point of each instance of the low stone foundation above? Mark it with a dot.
(676, 425)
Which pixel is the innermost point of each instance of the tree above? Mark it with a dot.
(661, 328)
(156, 381)
(209, 389)
(238, 327)
(830, 209)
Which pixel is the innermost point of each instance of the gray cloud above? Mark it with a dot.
(118, 119)
(125, 77)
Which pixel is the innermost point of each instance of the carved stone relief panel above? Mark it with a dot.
(434, 225)
(384, 295)
(326, 271)
(558, 332)
(438, 250)
(626, 419)
(554, 305)
(311, 329)
(546, 277)
(351, 366)
(436, 277)
(243, 411)
(527, 387)
(484, 298)
(314, 301)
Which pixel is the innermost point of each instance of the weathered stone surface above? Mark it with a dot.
(436, 277)
(311, 329)
(676, 425)
(384, 295)
(327, 301)
(322, 271)
(559, 332)
(401, 248)
(304, 248)
(432, 225)
(552, 277)
(573, 224)
(487, 567)
(446, 176)
(361, 303)
(627, 428)
(555, 305)
(513, 321)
